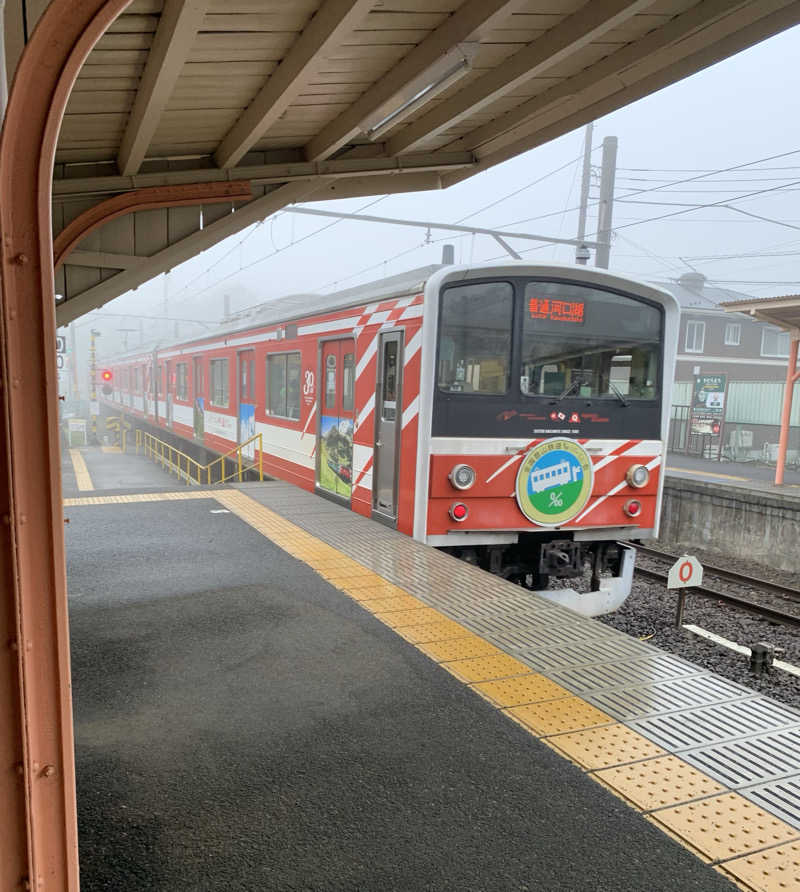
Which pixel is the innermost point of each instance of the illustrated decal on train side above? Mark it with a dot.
(554, 482)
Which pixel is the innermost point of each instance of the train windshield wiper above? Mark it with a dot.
(617, 394)
(571, 389)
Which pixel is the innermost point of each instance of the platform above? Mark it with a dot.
(746, 475)
(285, 695)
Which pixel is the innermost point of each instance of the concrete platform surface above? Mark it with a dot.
(747, 475)
(242, 723)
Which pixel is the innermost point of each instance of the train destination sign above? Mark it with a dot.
(554, 481)
(557, 310)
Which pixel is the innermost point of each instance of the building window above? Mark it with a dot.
(695, 336)
(182, 382)
(219, 383)
(733, 334)
(283, 385)
(774, 342)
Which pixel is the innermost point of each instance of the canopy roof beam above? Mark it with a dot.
(325, 31)
(464, 23)
(177, 28)
(575, 32)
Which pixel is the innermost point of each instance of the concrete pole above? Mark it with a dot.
(792, 375)
(607, 176)
(582, 253)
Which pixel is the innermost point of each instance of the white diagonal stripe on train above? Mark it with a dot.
(612, 492)
(411, 412)
(366, 411)
(367, 356)
(412, 347)
(311, 414)
(412, 312)
(505, 465)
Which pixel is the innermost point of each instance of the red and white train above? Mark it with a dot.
(513, 414)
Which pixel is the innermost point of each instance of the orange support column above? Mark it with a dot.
(792, 375)
(38, 829)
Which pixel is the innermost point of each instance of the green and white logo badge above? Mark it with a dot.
(554, 482)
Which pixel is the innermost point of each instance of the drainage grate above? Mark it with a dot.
(582, 679)
(750, 761)
(667, 696)
(713, 724)
(780, 797)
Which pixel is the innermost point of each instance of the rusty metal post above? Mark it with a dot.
(792, 375)
(37, 772)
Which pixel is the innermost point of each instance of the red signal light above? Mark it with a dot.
(106, 374)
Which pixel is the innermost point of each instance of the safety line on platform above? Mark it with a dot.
(140, 497)
(749, 845)
(82, 476)
(727, 831)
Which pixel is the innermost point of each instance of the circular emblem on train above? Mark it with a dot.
(554, 482)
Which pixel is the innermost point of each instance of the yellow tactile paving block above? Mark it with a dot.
(605, 747)
(659, 782)
(392, 605)
(373, 592)
(559, 716)
(139, 497)
(82, 476)
(421, 616)
(440, 631)
(725, 826)
(532, 688)
(487, 668)
(459, 649)
(352, 584)
(773, 870)
(352, 571)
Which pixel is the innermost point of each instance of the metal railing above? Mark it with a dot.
(190, 470)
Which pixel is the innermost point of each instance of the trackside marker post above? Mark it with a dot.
(686, 572)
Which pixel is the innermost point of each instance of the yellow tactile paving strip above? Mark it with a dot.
(82, 476)
(756, 849)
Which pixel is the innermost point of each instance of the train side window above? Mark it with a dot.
(475, 338)
(219, 383)
(283, 385)
(181, 381)
(348, 381)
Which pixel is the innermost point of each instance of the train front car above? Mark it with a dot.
(543, 424)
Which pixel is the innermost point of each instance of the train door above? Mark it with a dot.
(169, 387)
(198, 400)
(388, 422)
(246, 425)
(335, 437)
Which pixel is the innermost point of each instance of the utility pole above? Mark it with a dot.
(93, 405)
(608, 173)
(582, 253)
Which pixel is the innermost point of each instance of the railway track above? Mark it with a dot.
(704, 591)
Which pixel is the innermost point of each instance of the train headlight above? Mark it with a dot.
(633, 508)
(462, 476)
(637, 476)
(459, 511)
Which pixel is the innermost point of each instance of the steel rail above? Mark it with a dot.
(742, 603)
(791, 594)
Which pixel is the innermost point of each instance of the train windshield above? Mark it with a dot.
(586, 342)
(524, 357)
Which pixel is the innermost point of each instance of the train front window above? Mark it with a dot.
(475, 338)
(583, 342)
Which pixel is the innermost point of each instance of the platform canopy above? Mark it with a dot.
(215, 105)
(784, 312)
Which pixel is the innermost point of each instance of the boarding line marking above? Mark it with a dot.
(139, 497)
(82, 476)
(706, 474)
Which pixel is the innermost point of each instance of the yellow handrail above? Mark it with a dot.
(170, 458)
